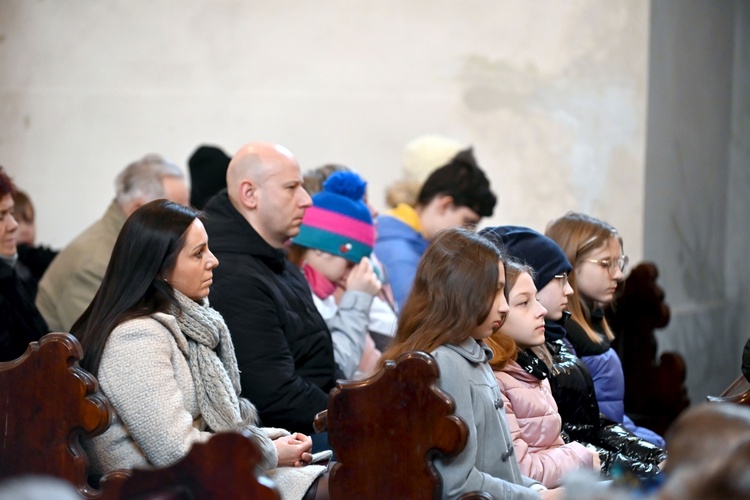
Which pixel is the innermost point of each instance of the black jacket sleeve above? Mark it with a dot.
(746, 360)
(269, 377)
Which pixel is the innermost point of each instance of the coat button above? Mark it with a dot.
(505, 456)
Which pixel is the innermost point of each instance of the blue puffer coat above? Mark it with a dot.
(399, 247)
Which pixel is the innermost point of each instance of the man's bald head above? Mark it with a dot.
(264, 184)
(254, 162)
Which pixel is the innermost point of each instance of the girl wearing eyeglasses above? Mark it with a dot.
(594, 248)
(621, 453)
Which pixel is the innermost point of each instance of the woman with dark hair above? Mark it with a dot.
(165, 358)
(457, 301)
(20, 321)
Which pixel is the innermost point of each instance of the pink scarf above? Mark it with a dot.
(321, 286)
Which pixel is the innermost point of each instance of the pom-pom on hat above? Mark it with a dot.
(532, 248)
(339, 222)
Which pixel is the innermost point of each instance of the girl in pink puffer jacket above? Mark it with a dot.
(533, 418)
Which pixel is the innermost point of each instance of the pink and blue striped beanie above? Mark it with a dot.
(339, 222)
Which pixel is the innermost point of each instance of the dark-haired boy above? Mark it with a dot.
(456, 194)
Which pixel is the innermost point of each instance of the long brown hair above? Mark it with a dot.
(578, 235)
(452, 294)
(296, 254)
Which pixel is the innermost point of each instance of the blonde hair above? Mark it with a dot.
(421, 157)
(578, 235)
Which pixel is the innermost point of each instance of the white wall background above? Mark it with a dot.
(551, 94)
(697, 189)
(555, 97)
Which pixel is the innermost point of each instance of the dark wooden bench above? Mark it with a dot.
(386, 431)
(48, 403)
(655, 392)
(223, 467)
(737, 392)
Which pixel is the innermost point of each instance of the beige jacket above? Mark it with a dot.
(72, 279)
(145, 374)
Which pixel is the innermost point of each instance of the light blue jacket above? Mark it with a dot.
(487, 463)
(399, 247)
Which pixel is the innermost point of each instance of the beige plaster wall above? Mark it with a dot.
(697, 194)
(551, 94)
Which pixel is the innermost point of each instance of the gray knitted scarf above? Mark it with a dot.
(213, 366)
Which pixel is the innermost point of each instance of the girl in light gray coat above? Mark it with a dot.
(457, 301)
(332, 249)
(165, 359)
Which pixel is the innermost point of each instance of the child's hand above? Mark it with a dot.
(362, 278)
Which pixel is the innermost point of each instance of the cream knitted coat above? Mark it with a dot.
(144, 373)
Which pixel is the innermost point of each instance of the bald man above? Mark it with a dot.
(284, 349)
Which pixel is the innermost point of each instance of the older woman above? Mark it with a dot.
(20, 321)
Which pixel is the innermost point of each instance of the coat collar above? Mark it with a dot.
(230, 232)
(170, 323)
(473, 350)
(517, 372)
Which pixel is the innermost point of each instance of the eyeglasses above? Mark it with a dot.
(611, 265)
(563, 279)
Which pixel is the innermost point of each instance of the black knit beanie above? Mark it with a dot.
(532, 248)
(208, 174)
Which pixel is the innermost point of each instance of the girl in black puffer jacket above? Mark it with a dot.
(621, 452)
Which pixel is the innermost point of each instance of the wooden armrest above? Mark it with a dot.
(387, 429)
(320, 422)
(738, 392)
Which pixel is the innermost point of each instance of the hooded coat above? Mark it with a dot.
(284, 349)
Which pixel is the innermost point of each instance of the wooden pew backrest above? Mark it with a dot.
(47, 403)
(222, 467)
(386, 430)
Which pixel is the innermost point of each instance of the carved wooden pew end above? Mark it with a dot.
(48, 402)
(387, 429)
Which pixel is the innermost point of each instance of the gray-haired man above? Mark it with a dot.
(71, 281)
